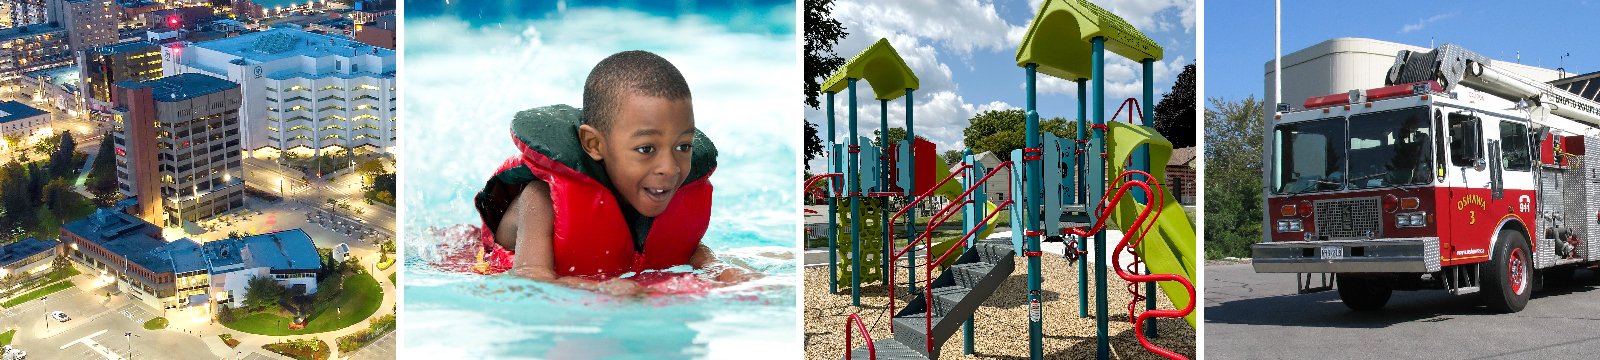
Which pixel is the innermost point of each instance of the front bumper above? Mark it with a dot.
(1402, 255)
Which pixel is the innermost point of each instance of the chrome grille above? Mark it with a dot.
(1345, 219)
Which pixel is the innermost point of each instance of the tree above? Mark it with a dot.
(1001, 131)
(896, 134)
(813, 144)
(61, 159)
(822, 32)
(262, 292)
(1175, 113)
(58, 197)
(102, 180)
(17, 199)
(371, 168)
(1233, 188)
(951, 156)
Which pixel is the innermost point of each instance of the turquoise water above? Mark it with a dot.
(464, 79)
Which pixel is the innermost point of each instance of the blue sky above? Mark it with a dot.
(1239, 33)
(964, 53)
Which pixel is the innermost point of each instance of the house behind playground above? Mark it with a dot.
(183, 274)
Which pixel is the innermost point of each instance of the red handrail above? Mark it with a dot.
(914, 202)
(928, 232)
(814, 179)
(872, 352)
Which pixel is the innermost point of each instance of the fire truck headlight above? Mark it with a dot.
(1289, 225)
(1415, 219)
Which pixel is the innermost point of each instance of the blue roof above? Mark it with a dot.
(11, 110)
(13, 252)
(176, 257)
(181, 86)
(116, 231)
(284, 250)
(60, 76)
(131, 46)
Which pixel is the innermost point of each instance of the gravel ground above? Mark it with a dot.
(1001, 325)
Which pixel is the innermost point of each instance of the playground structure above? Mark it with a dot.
(1053, 186)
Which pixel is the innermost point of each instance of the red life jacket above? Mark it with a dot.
(591, 237)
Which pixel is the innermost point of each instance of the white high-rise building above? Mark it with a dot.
(303, 92)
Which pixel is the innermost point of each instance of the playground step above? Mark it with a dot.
(887, 349)
(911, 330)
(946, 298)
(970, 274)
(957, 295)
(991, 251)
(1075, 216)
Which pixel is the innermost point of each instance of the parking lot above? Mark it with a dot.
(99, 328)
(381, 349)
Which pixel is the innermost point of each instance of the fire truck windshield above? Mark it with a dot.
(1390, 148)
(1364, 151)
(1310, 156)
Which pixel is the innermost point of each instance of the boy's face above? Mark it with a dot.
(647, 151)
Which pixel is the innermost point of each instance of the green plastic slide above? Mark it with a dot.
(1170, 247)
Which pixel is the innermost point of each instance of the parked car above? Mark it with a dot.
(59, 316)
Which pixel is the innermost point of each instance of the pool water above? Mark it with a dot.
(465, 78)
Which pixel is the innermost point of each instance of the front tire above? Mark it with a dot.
(1510, 283)
(1364, 293)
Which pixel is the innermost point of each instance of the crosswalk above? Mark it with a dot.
(136, 313)
(101, 345)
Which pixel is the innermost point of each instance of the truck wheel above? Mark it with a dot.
(1364, 293)
(1510, 281)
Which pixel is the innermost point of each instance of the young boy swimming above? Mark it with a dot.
(619, 187)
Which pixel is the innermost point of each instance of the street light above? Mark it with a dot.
(129, 336)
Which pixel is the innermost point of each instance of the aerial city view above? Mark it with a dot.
(197, 179)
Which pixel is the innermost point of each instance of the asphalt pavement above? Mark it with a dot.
(1259, 316)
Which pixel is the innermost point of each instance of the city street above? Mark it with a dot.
(1259, 316)
(97, 328)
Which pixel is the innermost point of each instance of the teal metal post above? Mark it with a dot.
(833, 208)
(968, 221)
(1142, 156)
(1079, 186)
(1033, 172)
(883, 201)
(911, 216)
(1098, 146)
(855, 202)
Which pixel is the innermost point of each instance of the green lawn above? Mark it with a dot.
(157, 323)
(361, 298)
(392, 278)
(5, 337)
(41, 292)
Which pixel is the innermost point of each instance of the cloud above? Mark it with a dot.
(962, 26)
(1421, 23)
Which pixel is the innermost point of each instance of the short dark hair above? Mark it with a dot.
(636, 71)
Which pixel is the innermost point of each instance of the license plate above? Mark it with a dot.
(1332, 252)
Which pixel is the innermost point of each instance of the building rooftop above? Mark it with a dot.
(280, 43)
(118, 232)
(127, 47)
(63, 76)
(284, 250)
(11, 110)
(13, 252)
(30, 30)
(181, 87)
(177, 257)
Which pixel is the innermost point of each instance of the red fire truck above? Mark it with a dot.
(1458, 175)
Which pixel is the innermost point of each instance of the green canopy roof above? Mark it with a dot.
(1058, 38)
(880, 66)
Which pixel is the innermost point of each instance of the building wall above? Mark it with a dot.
(134, 136)
(102, 69)
(199, 160)
(234, 282)
(303, 103)
(31, 264)
(36, 49)
(1343, 64)
(150, 287)
(24, 127)
(1180, 183)
(90, 24)
(43, 89)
